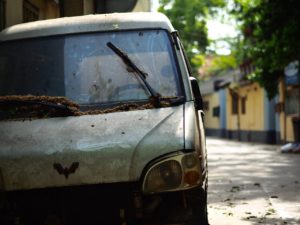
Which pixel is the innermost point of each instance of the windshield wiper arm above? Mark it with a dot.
(174, 101)
(155, 95)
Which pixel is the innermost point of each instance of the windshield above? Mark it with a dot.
(84, 69)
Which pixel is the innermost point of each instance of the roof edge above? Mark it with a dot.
(87, 23)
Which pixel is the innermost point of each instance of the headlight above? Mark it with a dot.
(164, 176)
(177, 172)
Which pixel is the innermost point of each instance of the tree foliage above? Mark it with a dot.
(222, 63)
(217, 65)
(271, 30)
(188, 17)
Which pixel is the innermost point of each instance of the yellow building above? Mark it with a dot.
(288, 105)
(251, 115)
(240, 110)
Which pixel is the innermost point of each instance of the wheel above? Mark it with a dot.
(197, 201)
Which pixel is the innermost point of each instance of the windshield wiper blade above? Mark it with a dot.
(59, 107)
(125, 58)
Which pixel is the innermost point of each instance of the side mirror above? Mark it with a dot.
(196, 93)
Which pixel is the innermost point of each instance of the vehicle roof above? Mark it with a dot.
(88, 23)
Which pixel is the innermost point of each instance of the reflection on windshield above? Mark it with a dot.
(84, 69)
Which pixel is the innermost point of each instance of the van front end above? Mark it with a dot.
(100, 124)
(137, 170)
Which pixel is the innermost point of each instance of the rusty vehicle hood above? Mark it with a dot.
(90, 149)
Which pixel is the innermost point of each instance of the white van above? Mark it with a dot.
(100, 123)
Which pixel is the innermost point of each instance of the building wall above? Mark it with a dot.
(48, 9)
(14, 12)
(88, 7)
(231, 119)
(253, 119)
(289, 129)
(212, 122)
(52, 10)
(73, 8)
(286, 124)
(142, 6)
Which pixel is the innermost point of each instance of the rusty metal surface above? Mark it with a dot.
(109, 148)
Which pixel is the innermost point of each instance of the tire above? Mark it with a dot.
(197, 200)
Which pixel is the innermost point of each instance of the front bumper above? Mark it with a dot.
(119, 203)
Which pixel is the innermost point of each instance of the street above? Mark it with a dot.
(252, 184)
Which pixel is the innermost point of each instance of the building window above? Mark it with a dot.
(2, 14)
(30, 12)
(234, 103)
(243, 104)
(216, 111)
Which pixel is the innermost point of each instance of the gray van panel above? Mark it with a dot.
(113, 147)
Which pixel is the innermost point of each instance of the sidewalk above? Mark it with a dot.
(252, 184)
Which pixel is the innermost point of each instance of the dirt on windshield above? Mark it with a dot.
(24, 111)
(46, 99)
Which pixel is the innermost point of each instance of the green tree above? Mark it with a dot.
(216, 65)
(271, 30)
(188, 17)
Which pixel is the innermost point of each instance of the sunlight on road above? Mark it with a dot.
(252, 184)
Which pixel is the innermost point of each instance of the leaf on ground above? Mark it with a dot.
(230, 204)
(251, 217)
(270, 212)
(235, 189)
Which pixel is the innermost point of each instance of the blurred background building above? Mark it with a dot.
(20, 11)
(237, 108)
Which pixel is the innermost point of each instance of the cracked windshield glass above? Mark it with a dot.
(83, 69)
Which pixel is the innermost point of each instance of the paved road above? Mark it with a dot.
(252, 184)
